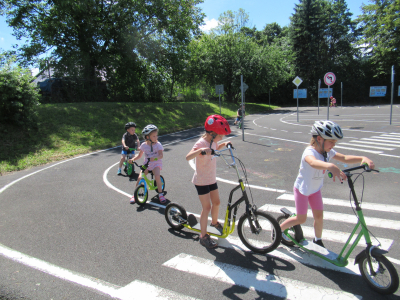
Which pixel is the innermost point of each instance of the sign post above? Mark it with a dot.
(297, 81)
(244, 88)
(319, 86)
(341, 94)
(391, 100)
(219, 89)
(329, 80)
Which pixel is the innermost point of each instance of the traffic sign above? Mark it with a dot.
(377, 91)
(219, 89)
(301, 92)
(245, 87)
(329, 78)
(297, 81)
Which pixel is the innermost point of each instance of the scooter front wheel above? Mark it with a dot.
(141, 194)
(295, 231)
(174, 215)
(385, 280)
(260, 233)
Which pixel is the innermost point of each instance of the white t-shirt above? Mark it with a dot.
(310, 180)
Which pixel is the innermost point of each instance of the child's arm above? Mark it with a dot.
(321, 165)
(136, 157)
(124, 145)
(352, 159)
(193, 153)
(160, 156)
(222, 145)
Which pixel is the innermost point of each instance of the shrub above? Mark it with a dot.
(18, 95)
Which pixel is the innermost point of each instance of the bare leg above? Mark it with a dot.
(215, 201)
(206, 205)
(318, 222)
(293, 221)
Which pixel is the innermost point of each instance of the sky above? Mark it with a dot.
(261, 12)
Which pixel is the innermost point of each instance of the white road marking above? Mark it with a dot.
(346, 203)
(381, 140)
(141, 288)
(254, 280)
(372, 143)
(386, 137)
(338, 217)
(366, 146)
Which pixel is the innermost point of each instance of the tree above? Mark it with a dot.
(307, 31)
(88, 36)
(380, 23)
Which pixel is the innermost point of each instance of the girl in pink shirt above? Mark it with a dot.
(152, 150)
(205, 175)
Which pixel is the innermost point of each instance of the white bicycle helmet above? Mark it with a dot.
(148, 129)
(328, 130)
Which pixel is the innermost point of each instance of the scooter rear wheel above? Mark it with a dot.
(295, 231)
(386, 280)
(173, 214)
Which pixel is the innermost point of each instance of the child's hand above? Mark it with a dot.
(336, 172)
(126, 147)
(208, 151)
(369, 162)
(131, 161)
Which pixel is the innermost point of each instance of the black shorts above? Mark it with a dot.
(205, 189)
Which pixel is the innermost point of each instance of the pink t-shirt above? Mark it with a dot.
(206, 168)
(149, 154)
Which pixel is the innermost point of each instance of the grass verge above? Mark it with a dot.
(67, 130)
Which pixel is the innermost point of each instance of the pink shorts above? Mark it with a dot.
(302, 201)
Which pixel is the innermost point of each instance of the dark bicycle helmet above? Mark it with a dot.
(148, 129)
(328, 130)
(129, 125)
(217, 124)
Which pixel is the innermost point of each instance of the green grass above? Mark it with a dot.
(67, 130)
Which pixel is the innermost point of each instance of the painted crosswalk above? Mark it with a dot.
(374, 144)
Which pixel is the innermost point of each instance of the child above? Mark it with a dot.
(333, 101)
(314, 163)
(129, 140)
(152, 150)
(205, 175)
(239, 114)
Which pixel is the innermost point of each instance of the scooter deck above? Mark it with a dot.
(309, 245)
(210, 229)
(195, 225)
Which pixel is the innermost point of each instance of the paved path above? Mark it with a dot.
(67, 230)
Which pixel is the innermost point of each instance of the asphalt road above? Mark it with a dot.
(67, 230)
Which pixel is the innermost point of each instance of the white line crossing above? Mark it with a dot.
(367, 146)
(338, 217)
(346, 203)
(382, 140)
(254, 280)
(372, 143)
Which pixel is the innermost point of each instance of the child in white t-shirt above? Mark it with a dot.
(205, 175)
(313, 166)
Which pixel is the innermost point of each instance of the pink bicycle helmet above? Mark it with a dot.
(217, 124)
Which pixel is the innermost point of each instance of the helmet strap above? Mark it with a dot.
(324, 154)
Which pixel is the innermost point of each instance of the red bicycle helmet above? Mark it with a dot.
(217, 124)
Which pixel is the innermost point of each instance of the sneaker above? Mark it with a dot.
(132, 201)
(319, 242)
(162, 199)
(119, 172)
(217, 226)
(207, 242)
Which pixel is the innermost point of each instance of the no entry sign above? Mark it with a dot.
(329, 78)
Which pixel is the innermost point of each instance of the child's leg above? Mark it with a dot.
(215, 201)
(293, 221)
(317, 207)
(156, 172)
(318, 222)
(140, 177)
(206, 207)
(123, 156)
